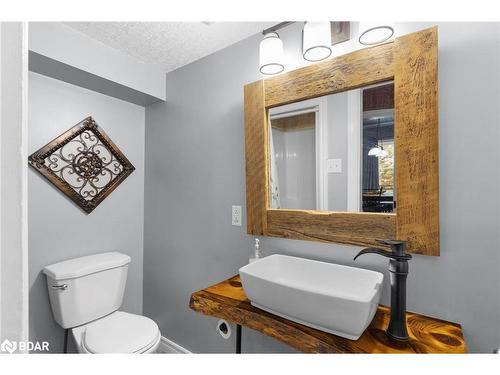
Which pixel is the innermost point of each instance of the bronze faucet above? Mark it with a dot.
(398, 268)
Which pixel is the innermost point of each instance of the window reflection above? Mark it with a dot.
(378, 149)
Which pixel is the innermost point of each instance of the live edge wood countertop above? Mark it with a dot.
(227, 300)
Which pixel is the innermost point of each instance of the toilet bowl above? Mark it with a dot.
(119, 332)
(85, 295)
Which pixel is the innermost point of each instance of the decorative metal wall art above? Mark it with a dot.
(83, 163)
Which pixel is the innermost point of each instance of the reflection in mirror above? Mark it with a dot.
(334, 153)
(378, 149)
(293, 174)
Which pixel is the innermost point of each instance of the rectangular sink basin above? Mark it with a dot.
(330, 297)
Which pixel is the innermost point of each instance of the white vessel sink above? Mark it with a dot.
(336, 299)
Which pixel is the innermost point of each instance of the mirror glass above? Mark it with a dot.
(334, 153)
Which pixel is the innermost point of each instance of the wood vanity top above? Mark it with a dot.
(227, 300)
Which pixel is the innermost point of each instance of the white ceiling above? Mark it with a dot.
(169, 44)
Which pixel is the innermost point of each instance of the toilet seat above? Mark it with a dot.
(120, 332)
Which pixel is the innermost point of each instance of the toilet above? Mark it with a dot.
(85, 294)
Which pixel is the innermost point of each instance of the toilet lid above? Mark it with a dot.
(120, 332)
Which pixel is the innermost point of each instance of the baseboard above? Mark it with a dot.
(168, 346)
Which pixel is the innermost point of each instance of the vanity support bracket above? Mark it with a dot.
(66, 332)
(238, 339)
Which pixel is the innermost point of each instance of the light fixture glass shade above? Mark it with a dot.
(316, 41)
(374, 151)
(382, 153)
(371, 33)
(271, 54)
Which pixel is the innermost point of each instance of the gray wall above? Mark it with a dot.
(337, 117)
(195, 172)
(59, 229)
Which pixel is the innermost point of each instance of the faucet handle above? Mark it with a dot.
(391, 242)
(398, 247)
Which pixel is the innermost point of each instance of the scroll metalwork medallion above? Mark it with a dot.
(83, 163)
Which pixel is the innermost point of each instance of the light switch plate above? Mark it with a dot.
(236, 216)
(334, 165)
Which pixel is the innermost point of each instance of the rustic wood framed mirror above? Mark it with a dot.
(410, 62)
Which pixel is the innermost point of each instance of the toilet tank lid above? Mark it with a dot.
(78, 267)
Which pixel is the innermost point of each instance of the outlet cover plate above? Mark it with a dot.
(236, 216)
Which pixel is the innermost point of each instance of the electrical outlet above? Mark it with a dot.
(236, 216)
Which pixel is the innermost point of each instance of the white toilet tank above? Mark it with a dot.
(87, 288)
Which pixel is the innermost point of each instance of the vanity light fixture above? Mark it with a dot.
(271, 54)
(316, 41)
(372, 33)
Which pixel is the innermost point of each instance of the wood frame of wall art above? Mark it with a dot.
(411, 62)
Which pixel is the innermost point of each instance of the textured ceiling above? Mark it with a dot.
(169, 44)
